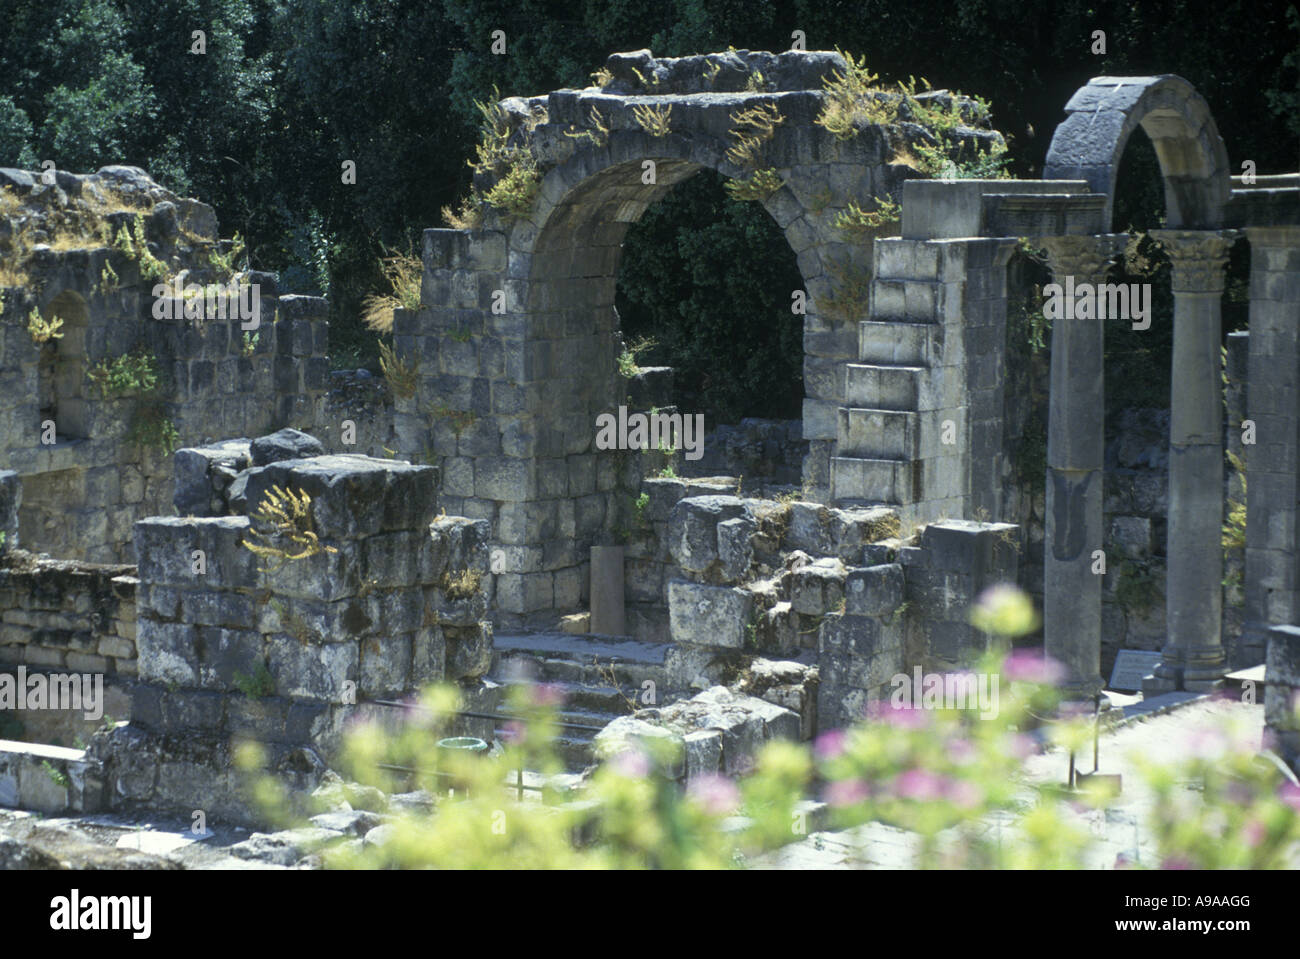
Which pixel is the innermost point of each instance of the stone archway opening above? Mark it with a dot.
(578, 342)
(709, 279)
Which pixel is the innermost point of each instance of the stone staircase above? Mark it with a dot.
(598, 675)
(879, 428)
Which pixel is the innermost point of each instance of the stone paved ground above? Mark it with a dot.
(1159, 736)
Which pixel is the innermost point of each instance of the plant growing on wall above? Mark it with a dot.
(845, 100)
(759, 185)
(108, 280)
(860, 226)
(654, 120)
(460, 420)
(512, 167)
(130, 374)
(256, 686)
(751, 128)
(131, 243)
(462, 585)
(850, 290)
(151, 427)
(627, 360)
(43, 330)
(402, 376)
(281, 529)
(135, 375)
(224, 263)
(853, 99)
(404, 273)
(597, 135)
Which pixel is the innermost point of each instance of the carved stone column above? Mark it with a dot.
(1075, 442)
(1193, 657)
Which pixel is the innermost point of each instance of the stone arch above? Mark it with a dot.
(517, 342)
(563, 264)
(575, 260)
(62, 368)
(1102, 115)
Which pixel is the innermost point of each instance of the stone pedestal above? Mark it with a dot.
(1075, 443)
(1193, 657)
(607, 610)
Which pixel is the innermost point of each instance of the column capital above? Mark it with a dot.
(1286, 236)
(1198, 258)
(1083, 256)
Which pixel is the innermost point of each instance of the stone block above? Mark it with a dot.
(469, 650)
(735, 547)
(385, 665)
(708, 615)
(311, 670)
(354, 496)
(817, 588)
(693, 529)
(874, 591)
(227, 657)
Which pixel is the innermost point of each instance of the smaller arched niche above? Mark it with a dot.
(61, 373)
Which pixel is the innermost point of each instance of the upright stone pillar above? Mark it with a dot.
(1075, 443)
(1272, 578)
(1193, 657)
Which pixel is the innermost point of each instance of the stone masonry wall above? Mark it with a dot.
(84, 491)
(516, 351)
(247, 647)
(66, 615)
(831, 587)
(945, 572)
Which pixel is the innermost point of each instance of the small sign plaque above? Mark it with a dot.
(1130, 666)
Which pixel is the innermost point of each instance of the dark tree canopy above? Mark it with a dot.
(287, 90)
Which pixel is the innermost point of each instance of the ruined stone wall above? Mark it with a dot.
(835, 588)
(66, 615)
(107, 466)
(517, 347)
(282, 651)
(945, 572)
(759, 452)
(62, 615)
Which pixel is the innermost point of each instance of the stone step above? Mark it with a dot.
(902, 344)
(868, 480)
(574, 751)
(584, 660)
(882, 387)
(906, 299)
(877, 434)
(578, 696)
(583, 646)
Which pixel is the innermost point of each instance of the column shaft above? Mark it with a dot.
(1075, 443)
(1193, 658)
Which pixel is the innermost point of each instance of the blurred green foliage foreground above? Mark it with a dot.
(955, 780)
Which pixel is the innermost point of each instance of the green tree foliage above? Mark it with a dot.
(710, 278)
(289, 89)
